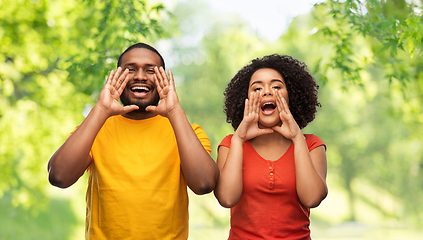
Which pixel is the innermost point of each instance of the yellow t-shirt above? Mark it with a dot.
(136, 189)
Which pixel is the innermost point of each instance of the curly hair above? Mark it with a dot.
(301, 87)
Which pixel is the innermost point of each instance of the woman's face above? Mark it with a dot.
(266, 81)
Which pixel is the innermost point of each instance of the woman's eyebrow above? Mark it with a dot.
(255, 83)
(277, 80)
(273, 80)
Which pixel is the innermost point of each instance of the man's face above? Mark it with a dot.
(140, 89)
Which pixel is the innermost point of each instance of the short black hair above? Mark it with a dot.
(141, 45)
(301, 87)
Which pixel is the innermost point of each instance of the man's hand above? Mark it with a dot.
(169, 101)
(109, 95)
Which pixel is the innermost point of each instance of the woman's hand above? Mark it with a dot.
(289, 128)
(248, 128)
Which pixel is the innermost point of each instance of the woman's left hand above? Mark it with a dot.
(289, 127)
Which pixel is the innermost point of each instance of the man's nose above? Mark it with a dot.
(140, 75)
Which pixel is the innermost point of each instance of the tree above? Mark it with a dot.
(54, 57)
(360, 101)
(374, 45)
(392, 27)
(205, 56)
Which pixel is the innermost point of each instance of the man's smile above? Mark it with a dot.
(140, 90)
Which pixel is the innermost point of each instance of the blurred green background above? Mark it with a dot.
(366, 57)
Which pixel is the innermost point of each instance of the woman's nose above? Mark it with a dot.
(267, 91)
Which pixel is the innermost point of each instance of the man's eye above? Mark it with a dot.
(151, 71)
(131, 69)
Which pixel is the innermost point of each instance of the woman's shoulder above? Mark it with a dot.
(226, 141)
(311, 136)
(313, 141)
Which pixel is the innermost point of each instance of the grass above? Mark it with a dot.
(56, 221)
(62, 218)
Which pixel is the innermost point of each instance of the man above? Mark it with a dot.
(140, 157)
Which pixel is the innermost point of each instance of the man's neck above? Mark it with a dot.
(139, 115)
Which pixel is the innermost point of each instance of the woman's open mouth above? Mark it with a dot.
(268, 108)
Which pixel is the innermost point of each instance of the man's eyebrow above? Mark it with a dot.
(134, 64)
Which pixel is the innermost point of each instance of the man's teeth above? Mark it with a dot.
(140, 88)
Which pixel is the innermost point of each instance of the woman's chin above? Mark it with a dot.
(263, 125)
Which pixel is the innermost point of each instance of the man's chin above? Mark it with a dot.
(141, 104)
(141, 107)
(140, 110)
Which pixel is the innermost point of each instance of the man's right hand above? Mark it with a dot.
(108, 100)
(71, 160)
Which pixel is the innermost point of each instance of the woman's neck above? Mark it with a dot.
(270, 146)
(272, 138)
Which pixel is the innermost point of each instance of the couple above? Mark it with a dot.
(140, 157)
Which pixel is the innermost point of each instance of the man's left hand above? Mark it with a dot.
(169, 101)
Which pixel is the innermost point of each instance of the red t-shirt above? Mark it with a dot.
(269, 207)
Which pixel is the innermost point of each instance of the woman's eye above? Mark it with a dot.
(257, 89)
(277, 87)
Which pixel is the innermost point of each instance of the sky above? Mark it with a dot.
(263, 14)
(268, 18)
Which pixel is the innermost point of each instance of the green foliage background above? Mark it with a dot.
(366, 57)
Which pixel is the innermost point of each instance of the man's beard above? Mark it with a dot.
(141, 103)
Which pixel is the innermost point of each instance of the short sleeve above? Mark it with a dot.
(202, 136)
(313, 141)
(226, 141)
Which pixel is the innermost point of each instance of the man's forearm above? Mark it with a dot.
(70, 161)
(199, 168)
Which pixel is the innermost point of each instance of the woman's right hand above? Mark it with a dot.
(249, 128)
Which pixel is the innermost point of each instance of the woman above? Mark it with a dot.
(271, 174)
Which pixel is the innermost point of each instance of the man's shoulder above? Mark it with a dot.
(197, 129)
(195, 126)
